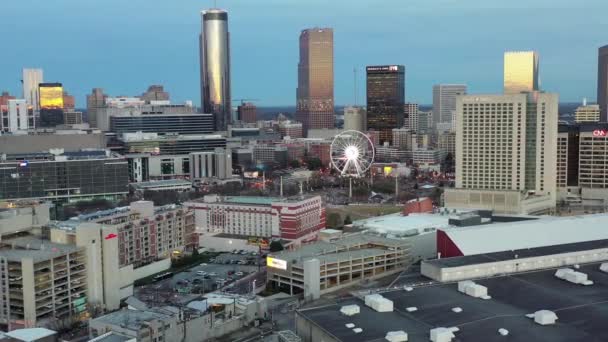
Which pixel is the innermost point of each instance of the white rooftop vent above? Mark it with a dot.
(396, 336)
(408, 288)
(503, 331)
(350, 310)
(379, 303)
(411, 309)
(441, 335)
(577, 266)
(475, 290)
(573, 276)
(350, 325)
(462, 285)
(545, 317)
(457, 309)
(357, 330)
(604, 267)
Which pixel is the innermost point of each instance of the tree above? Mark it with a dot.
(314, 163)
(294, 163)
(333, 220)
(276, 246)
(347, 220)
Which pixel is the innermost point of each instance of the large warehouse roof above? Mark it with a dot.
(546, 231)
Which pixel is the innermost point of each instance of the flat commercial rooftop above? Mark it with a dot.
(518, 253)
(582, 311)
(341, 249)
(35, 248)
(398, 224)
(546, 231)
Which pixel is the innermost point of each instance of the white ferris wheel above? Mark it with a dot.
(352, 153)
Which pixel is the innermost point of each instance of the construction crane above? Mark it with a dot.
(245, 100)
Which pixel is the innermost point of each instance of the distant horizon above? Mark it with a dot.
(94, 45)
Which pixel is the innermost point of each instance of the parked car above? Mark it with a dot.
(201, 273)
(213, 274)
(240, 274)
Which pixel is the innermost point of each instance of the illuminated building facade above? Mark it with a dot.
(215, 67)
(385, 99)
(315, 92)
(520, 72)
(51, 95)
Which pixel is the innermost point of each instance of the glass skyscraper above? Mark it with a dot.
(215, 66)
(315, 92)
(385, 99)
(521, 72)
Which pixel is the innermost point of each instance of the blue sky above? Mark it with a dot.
(125, 45)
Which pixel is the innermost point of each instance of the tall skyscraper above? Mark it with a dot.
(506, 148)
(31, 80)
(602, 82)
(215, 66)
(521, 72)
(315, 93)
(410, 116)
(95, 101)
(444, 102)
(385, 99)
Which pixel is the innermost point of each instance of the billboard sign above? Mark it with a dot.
(276, 263)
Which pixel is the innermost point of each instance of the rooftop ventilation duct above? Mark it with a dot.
(350, 310)
(545, 317)
(396, 336)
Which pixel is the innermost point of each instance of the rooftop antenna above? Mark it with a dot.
(584, 101)
(355, 78)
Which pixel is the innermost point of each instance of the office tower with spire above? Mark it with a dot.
(31, 79)
(315, 92)
(602, 82)
(521, 72)
(214, 43)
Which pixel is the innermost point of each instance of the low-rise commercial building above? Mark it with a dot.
(323, 267)
(287, 218)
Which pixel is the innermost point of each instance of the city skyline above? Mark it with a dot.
(107, 60)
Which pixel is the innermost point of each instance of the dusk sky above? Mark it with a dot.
(125, 45)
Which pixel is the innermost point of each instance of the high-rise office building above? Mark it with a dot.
(602, 82)
(444, 102)
(51, 95)
(315, 92)
(69, 102)
(215, 67)
(587, 113)
(247, 112)
(95, 101)
(410, 115)
(521, 72)
(385, 99)
(355, 118)
(4, 97)
(506, 147)
(155, 92)
(31, 79)
(51, 104)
